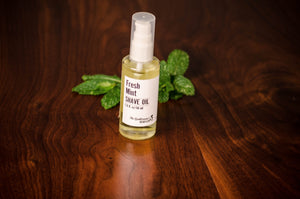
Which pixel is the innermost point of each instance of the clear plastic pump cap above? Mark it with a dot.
(142, 37)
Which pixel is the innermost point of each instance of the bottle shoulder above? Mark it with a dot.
(140, 67)
(127, 60)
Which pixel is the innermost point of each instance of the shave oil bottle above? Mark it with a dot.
(140, 79)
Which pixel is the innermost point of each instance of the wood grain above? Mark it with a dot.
(237, 138)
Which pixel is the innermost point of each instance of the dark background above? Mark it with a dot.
(238, 137)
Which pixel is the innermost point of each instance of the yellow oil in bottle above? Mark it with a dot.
(138, 71)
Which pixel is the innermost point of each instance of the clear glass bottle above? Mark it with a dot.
(140, 80)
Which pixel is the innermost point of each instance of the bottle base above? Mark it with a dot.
(137, 133)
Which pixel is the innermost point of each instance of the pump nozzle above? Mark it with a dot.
(142, 37)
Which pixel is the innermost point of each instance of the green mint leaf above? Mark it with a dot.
(111, 98)
(163, 66)
(178, 62)
(165, 85)
(164, 75)
(163, 93)
(184, 85)
(163, 96)
(175, 95)
(94, 87)
(113, 78)
(168, 87)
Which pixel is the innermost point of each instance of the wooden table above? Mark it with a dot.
(238, 137)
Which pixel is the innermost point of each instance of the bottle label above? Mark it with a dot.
(140, 101)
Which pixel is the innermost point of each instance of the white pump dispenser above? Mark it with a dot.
(142, 37)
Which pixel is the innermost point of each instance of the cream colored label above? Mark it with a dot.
(140, 101)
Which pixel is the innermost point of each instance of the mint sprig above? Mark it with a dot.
(172, 83)
(101, 84)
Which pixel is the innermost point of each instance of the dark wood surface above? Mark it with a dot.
(237, 138)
